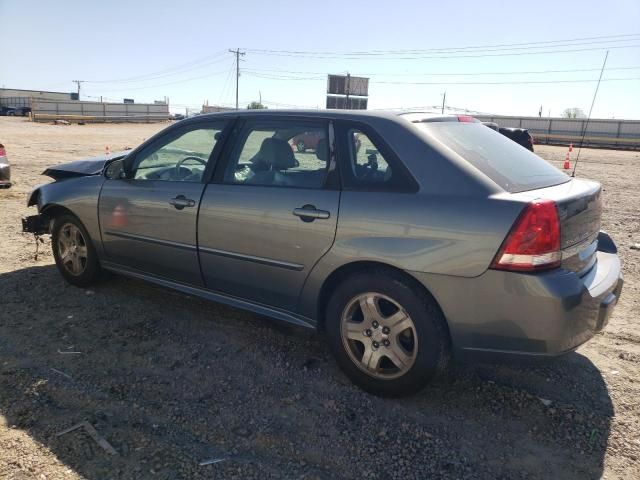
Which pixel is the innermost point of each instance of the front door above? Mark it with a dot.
(270, 215)
(148, 220)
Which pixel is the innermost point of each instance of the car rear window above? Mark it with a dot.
(511, 166)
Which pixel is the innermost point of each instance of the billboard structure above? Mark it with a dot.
(347, 92)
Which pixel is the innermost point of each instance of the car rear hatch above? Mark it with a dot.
(579, 204)
(528, 179)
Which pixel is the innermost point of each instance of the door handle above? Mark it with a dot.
(180, 202)
(308, 213)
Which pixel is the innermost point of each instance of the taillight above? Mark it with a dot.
(466, 118)
(533, 243)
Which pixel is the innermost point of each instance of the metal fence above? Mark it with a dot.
(81, 111)
(562, 131)
(15, 102)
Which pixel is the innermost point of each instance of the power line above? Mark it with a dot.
(428, 74)
(420, 57)
(507, 46)
(187, 66)
(226, 83)
(169, 83)
(515, 82)
(524, 82)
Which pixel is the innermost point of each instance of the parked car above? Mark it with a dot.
(519, 135)
(8, 111)
(437, 237)
(5, 168)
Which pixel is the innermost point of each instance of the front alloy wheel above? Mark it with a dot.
(72, 249)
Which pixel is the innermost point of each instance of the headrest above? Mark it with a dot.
(322, 149)
(277, 154)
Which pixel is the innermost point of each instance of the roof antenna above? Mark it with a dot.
(584, 131)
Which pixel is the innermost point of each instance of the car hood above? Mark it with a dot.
(84, 167)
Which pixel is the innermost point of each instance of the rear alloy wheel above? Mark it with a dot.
(301, 147)
(73, 251)
(387, 335)
(379, 336)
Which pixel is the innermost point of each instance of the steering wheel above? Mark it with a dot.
(178, 166)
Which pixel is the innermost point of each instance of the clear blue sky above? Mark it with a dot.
(45, 45)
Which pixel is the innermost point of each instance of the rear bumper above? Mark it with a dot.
(505, 313)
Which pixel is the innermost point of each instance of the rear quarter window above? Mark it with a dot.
(511, 166)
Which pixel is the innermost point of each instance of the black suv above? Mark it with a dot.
(519, 135)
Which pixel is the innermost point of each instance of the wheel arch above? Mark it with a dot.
(53, 210)
(344, 271)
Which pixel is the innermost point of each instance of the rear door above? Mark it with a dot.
(148, 221)
(270, 214)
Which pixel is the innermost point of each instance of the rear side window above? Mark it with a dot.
(367, 163)
(511, 166)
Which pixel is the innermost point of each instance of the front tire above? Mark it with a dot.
(73, 250)
(388, 337)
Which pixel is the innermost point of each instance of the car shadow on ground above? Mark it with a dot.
(169, 381)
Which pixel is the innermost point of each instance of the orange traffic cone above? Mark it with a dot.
(3, 151)
(571, 147)
(107, 151)
(567, 164)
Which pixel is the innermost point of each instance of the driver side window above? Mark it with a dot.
(182, 158)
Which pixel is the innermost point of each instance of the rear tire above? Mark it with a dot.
(73, 250)
(301, 147)
(389, 338)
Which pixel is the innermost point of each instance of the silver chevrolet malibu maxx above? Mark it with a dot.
(407, 238)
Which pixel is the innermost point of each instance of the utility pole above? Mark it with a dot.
(347, 106)
(78, 82)
(444, 98)
(238, 53)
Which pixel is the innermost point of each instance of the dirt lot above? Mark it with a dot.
(171, 380)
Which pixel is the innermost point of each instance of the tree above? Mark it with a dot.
(256, 106)
(573, 113)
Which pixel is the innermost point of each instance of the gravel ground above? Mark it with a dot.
(169, 380)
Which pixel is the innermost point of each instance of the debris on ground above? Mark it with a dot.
(93, 433)
(211, 461)
(545, 401)
(62, 373)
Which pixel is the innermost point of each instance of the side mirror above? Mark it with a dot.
(116, 170)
